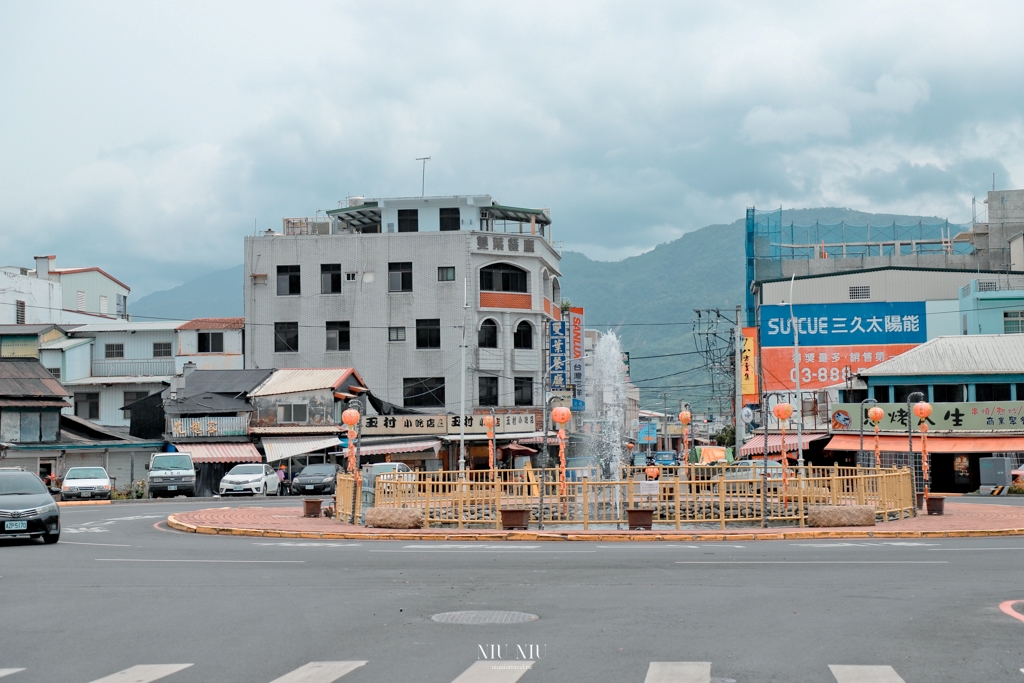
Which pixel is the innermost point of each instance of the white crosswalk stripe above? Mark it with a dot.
(8, 672)
(494, 671)
(143, 673)
(865, 674)
(319, 672)
(678, 672)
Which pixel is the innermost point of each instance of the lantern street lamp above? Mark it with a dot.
(875, 414)
(913, 398)
(351, 418)
(782, 411)
(560, 416)
(923, 409)
(860, 453)
(685, 418)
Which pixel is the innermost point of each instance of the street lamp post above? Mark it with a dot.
(914, 397)
(860, 453)
(351, 418)
(783, 411)
(489, 423)
(875, 414)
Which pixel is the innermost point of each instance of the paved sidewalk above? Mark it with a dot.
(960, 520)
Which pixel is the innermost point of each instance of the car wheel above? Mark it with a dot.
(51, 538)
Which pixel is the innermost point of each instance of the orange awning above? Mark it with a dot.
(936, 444)
(220, 452)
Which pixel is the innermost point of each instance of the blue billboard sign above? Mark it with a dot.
(847, 324)
(648, 433)
(557, 355)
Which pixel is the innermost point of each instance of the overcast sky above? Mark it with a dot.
(148, 138)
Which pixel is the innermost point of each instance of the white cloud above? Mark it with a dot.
(147, 138)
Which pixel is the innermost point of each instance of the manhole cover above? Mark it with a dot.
(484, 617)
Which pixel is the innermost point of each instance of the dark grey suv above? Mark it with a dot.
(27, 508)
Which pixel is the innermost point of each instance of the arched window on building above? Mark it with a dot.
(487, 337)
(523, 337)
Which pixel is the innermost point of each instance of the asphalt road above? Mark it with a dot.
(121, 590)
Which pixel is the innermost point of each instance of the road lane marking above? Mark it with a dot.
(1007, 609)
(143, 673)
(8, 672)
(678, 672)
(85, 530)
(494, 671)
(122, 559)
(634, 546)
(431, 546)
(311, 544)
(112, 545)
(850, 545)
(319, 672)
(816, 562)
(483, 551)
(865, 674)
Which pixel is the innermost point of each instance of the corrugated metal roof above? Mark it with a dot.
(26, 330)
(220, 452)
(286, 447)
(129, 326)
(401, 447)
(134, 379)
(61, 344)
(299, 429)
(756, 444)
(223, 381)
(26, 377)
(976, 354)
(214, 324)
(292, 380)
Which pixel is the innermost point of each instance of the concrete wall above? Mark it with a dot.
(43, 298)
(112, 399)
(886, 285)
(188, 350)
(370, 309)
(319, 408)
(95, 285)
(28, 426)
(982, 312)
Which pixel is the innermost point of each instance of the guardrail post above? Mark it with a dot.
(721, 499)
(676, 488)
(834, 484)
(426, 505)
(586, 503)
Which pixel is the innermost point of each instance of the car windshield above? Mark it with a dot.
(86, 473)
(246, 469)
(172, 462)
(20, 484)
(311, 470)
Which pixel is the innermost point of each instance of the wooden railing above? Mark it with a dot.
(348, 500)
(705, 495)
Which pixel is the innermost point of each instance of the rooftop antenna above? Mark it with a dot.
(423, 180)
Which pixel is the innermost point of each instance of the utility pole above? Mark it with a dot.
(423, 179)
(462, 382)
(738, 401)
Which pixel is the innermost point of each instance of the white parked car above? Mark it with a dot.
(86, 482)
(252, 479)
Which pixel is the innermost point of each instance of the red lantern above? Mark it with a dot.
(876, 414)
(783, 411)
(685, 417)
(561, 415)
(652, 472)
(350, 417)
(630, 446)
(488, 421)
(923, 409)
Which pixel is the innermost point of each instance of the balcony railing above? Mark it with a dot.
(218, 425)
(120, 367)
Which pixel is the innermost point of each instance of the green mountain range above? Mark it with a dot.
(647, 300)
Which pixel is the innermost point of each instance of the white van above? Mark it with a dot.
(171, 474)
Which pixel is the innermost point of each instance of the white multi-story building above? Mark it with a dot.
(385, 286)
(49, 295)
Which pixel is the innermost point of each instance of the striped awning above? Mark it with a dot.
(220, 452)
(281, 447)
(756, 445)
(400, 447)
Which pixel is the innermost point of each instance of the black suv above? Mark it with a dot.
(27, 508)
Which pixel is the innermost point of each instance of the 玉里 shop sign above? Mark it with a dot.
(901, 322)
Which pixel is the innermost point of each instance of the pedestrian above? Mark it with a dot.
(282, 488)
